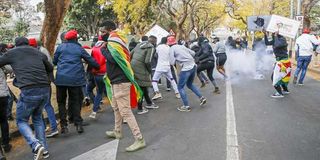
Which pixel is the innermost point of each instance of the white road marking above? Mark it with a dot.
(232, 138)
(106, 151)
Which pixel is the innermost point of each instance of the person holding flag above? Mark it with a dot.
(119, 82)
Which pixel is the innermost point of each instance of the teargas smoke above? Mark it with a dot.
(244, 64)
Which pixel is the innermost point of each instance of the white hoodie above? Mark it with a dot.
(304, 43)
(163, 63)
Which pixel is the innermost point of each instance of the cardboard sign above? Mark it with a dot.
(257, 23)
(158, 32)
(285, 26)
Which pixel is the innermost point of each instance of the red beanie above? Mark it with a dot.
(72, 34)
(171, 40)
(33, 42)
(306, 30)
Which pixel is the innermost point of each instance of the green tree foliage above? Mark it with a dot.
(86, 15)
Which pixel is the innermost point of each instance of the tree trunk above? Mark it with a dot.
(55, 11)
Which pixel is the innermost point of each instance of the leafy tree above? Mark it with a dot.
(136, 16)
(55, 11)
(86, 15)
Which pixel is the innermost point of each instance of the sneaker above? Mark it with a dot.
(277, 95)
(47, 129)
(114, 134)
(124, 121)
(295, 80)
(157, 96)
(46, 155)
(203, 101)
(300, 84)
(184, 109)
(38, 152)
(152, 106)
(64, 130)
(93, 115)
(143, 111)
(216, 90)
(138, 144)
(86, 101)
(7, 147)
(168, 89)
(52, 134)
(202, 85)
(178, 95)
(285, 92)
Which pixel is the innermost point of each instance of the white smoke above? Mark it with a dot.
(244, 64)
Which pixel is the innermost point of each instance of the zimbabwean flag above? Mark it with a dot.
(120, 53)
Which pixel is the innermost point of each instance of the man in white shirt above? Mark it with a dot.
(163, 68)
(184, 56)
(304, 49)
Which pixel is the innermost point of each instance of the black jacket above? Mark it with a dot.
(114, 72)
(279, 44)
(30, 66)
(205, 53)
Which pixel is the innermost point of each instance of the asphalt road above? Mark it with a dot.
(267, 129)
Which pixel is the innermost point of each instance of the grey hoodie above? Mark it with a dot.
(183, 55)
(4, 90)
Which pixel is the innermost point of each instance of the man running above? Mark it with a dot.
(184, 56)
(163, 68)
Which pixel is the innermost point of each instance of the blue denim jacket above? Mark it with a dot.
(70, 70)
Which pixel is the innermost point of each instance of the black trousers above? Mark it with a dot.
(279, 88)
(145, 96)
(3, 120)
(209, 66)
(75, 97)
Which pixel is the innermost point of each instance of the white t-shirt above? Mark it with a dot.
(304, 43)
(163, 63)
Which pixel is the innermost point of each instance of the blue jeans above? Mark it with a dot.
(100, 90)
(51, 115)
(30, 104)
(187, 77)
(302, 65)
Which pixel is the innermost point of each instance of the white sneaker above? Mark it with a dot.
(152, 106)
(168, 89)
(143, 111)
(277, 95)
(178, 95)
(157, 96)
(285, 92)
(93, 115)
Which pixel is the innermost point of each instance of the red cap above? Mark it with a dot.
(86, 47)
(171, 40)
(72, 34)
(306, 30)
(33, 42)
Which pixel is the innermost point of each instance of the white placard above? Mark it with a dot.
(158, 32)
(285, 26)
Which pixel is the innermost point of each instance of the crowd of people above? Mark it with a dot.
(124, 73)
(124, 76)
